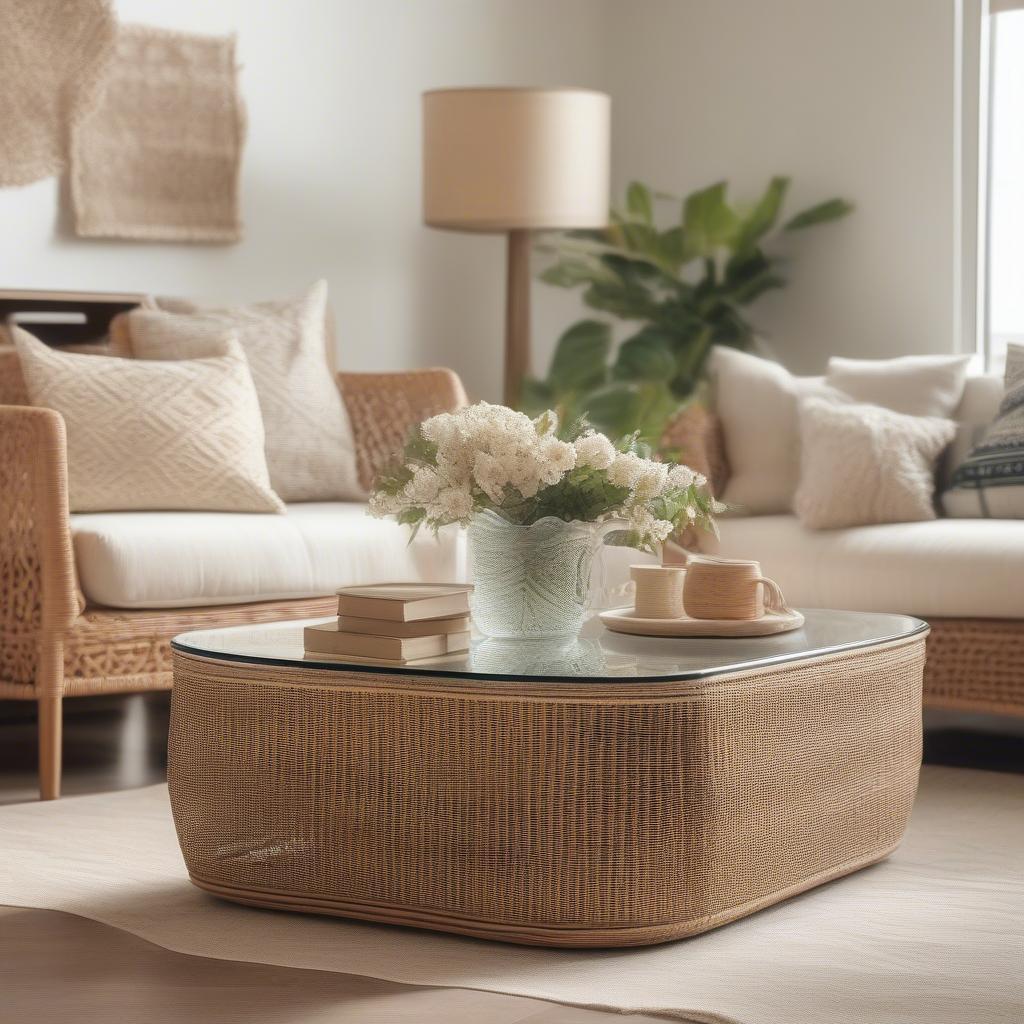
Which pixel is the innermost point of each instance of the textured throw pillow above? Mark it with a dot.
(756, 401)
(309, 444)
(990, 481)
(915, 385)
(863, 464)
(169, 435)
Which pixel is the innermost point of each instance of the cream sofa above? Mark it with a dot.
(965, 576)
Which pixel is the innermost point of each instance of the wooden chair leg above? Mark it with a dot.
(50, 722)
(50, 683)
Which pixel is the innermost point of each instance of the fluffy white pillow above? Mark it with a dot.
(310, 446)
(756, 402)
(170, 435)
(915, 385)
(863, 464)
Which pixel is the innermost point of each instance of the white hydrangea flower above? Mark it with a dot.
(423, 486)
(650, 479)
(452, 505)
(650, 528)
(625, 470)
(681, 477)
(491, 476)
(382, 505)
(594, 450)
(555, 459)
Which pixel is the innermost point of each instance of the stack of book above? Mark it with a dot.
(397, 622)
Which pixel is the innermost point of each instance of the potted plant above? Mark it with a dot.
(537, 502)
(686, 285)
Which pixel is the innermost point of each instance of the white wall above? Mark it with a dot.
(850, 97)
(331, 172)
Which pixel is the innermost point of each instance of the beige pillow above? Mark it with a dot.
(309, 443)
(915, 385)
(169, 435)
(756, 401)
(863, 464)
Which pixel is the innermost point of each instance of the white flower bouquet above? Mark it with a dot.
(488, 458)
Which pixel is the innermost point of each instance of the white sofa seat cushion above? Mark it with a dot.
(946, 568)
(196, 559)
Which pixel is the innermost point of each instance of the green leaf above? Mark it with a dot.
(831, 209)
(708, 220)
(622, 408)
(580, 361)
(638, 202)
(535, 396)
(762, 218)
(614, 409)
(648, 356)
(629, 301)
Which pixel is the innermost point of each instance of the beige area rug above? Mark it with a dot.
(53, 54)
(159, 157)
(933, 935)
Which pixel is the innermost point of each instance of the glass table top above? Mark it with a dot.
(596, 654)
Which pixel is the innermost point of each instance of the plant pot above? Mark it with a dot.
(531, 582)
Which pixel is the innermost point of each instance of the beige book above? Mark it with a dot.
(386, 627)
(405, 602)
(329, 639)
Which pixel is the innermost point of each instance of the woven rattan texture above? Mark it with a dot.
(570, 814)
(383, 408)
(696, 434)
(37, 581)
(976, 665)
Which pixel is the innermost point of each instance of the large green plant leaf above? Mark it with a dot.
(629, 301)
(831, 209)
(580, 361)
(638, 202)
(647, 356)
(762, 218)
(624, 408)
(536, 396)
(708, 221)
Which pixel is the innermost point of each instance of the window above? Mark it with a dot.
(1005, 219)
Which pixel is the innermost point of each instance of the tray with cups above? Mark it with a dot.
(707, 597)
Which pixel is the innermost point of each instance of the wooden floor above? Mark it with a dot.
(57, 967)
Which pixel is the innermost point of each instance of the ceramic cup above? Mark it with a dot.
(728, 589)
(659, 590)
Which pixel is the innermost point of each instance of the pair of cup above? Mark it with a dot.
(705, 588)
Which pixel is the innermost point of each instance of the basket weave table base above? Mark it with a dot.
(612, 813)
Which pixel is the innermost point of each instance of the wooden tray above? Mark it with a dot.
(626, 620)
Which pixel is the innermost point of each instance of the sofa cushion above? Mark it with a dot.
(186, 559)
(309, 441)
(913, 385)
(956, 568)
(184, 434)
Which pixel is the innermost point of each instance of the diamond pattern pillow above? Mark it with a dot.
(309, 445)
(169, 435)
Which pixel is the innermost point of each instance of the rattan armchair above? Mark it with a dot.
(52, 643)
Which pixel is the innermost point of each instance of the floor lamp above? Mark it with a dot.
(516, 161)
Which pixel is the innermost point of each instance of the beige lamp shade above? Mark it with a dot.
(511, 159)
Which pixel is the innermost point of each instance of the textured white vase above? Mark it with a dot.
(532, 581)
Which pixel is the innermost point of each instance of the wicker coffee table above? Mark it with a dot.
(621, 791)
